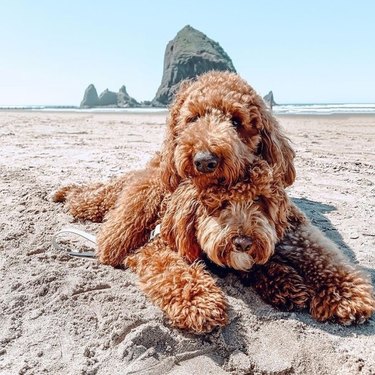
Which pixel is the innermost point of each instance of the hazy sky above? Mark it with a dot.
(305, 51)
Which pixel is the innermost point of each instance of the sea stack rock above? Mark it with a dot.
(107, 98)
(269, 100)
(90, 97)
(188, 55)
(125, 100)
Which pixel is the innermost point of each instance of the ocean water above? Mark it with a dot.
(57, 108)
(323, 109)
(282, 109)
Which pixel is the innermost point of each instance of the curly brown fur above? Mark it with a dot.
(341, 291)
(91, 202)
(307, 270)
(218, 113)
(221, 116)
(186, 293)
(257, 210)
(279, 284)
(129, 224)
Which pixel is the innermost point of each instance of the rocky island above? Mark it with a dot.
(107, 98)
(190, 54)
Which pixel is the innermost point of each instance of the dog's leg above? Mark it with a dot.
(61, 195)
(186, 293)
(278, 284)
(341, 291)
(92, 202)
(129, 224)
(85, 202)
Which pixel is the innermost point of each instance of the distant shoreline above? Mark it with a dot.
(86, 110)
(310, 109)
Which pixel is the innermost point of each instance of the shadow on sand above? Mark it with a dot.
(315, 212)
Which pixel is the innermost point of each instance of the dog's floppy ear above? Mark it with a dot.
(169, 174)
(275, 148)
(284, 213)
(179, 221)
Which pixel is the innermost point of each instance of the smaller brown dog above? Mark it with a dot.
(237, 229)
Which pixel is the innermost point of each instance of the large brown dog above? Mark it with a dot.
(217, 126)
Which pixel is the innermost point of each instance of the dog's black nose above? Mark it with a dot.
(242, 243)
(205, 162)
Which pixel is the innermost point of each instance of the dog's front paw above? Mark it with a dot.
(196, 303)
(200, 312)
(352, 301)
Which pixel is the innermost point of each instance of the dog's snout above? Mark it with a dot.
(205, 162)
(242, 243)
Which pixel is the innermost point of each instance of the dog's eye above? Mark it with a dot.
(192, 118)
(236, 122)
(256, 199)
(224, 205)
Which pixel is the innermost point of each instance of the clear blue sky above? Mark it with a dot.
(305, 51)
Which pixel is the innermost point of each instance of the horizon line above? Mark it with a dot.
(278, 104)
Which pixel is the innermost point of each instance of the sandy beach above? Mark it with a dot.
(62, 315)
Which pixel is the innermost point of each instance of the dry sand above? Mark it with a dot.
(62, 315)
